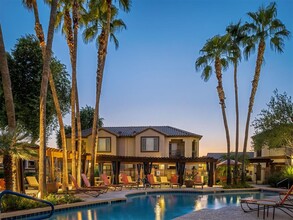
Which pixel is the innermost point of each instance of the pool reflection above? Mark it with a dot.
(158, 207)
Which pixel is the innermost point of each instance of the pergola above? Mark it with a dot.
(147, 164)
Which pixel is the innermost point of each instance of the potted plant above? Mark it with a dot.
(189, 178)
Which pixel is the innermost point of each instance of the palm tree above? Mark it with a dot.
(104, 20)
(71, 33)
(32, 4)
(43, 98)
(215, 51)
(264, 27)
(9, 105)
(237, 36)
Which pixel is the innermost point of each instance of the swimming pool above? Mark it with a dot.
(159, 206)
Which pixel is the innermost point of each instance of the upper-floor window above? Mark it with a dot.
(104, 144)
(150, 144)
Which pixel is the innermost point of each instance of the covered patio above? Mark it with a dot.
(147, 163)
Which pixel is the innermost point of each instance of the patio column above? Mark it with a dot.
(116, 171)
(138, 166)
(210, 169)
(180, 168)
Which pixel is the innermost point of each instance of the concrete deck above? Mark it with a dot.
(223, 213)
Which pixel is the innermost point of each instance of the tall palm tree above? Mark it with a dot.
(237, 36)
(104, 20)
(9, 105)
(43, 99)
(70, 28)
(215, 51)
(264, 27)
(32, 4)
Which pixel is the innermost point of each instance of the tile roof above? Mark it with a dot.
(219, 155)
(132, 131)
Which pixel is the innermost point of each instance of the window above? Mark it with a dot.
(258, 153)
(176, 148)
(104, 145)
(150, 144)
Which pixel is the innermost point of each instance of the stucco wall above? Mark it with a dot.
(126, 146)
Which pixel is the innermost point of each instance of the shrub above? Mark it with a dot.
(237, 186)
(13, 203)
(274, 179)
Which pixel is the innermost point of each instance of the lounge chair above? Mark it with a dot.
(89, 191)
(164, 180)
(2, 184)
(265, 204)
(87, 184)
(198, 181)
(32, 182)
(290, 197)
(108, 184)
(174, 181)
(152, 182)
(126, 182)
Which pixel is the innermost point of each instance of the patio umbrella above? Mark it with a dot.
(224, 163)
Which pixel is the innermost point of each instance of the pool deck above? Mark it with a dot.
(234, 212)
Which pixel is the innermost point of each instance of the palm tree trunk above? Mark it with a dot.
(71, 46)
(75, 36)
(9, 105)
(43, 99)
(79, 137)
(259, 61)
(102, 53)
(223, 106)
(40, 35)
(237, 125)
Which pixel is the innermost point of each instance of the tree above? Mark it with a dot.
(9, 105)
(274, 125)
(25, 64)
(264, 27)
(237, 37)
(101, 16)
(43, 100)
(32, 4)
(71, 33)
(86, 118)
(215, 51)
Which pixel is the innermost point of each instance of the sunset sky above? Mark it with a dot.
(151, 78)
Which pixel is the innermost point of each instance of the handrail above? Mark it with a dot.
(287, 179)
(29, 197)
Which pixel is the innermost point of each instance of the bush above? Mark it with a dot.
(238, 186)
(274, 179)
(13, 203)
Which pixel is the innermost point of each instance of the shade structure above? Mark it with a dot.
(224, 163)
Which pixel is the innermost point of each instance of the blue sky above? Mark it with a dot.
(151, 79)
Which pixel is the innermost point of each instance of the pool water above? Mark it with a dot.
(159, 206)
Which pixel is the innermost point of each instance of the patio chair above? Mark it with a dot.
(87, 184)
(125, 180)
(152, 182)
(2, 184)
(174, 181)
(290, 197)
(164, 181)
(108, 184)
(32, 182)
(89, 191)
(265, 204)
(198, 181)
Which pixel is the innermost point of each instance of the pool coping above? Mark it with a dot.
(34, 212)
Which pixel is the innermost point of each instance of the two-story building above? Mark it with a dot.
(143, 141)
